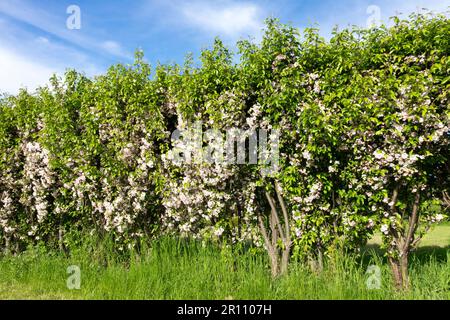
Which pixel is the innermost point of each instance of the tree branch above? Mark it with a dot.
(397, 236)
(265, 235)
(446, 199)
(275, 213)
(287, 230)
(413, 220)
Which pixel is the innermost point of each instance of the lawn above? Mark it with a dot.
(179, 270)
(439, 236)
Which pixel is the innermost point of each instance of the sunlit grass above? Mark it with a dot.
(171, 269)
(439, 236)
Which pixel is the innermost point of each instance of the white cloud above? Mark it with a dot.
(229, 18)
(55, 25)
(42, 40)
(18, 72)
(29, 58)
(113, 48)
(31, 62)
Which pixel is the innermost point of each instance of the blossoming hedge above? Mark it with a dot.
(364, 144)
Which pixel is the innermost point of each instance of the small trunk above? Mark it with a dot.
(285, 258)
(316, 262)
(274, 266)
(16, 248)
(404, 270)
(7, 245)
(400, 272)
(285, 261)
(61, 238)
(446, 199)
(279, 231)
(396, 272)
(404, 242)
(320, 260)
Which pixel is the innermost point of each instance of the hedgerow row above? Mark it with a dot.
(364, 146)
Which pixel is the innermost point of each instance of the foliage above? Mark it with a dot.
(364, 123)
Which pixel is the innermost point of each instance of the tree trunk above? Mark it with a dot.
(404, 241)
(316, 262)
(400, 272)
(285, 259)
(320, 259)
(7, 245)
(396, 272)
(274, 265)
(404, 270)
(61, 238)
(279, 232)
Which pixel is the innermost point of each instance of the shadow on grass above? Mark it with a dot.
(422, 254)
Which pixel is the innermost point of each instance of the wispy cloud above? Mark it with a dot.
(34, 44)
(32, 60)
(34, 67)
(18, 72)
(114, 48)
(231, 19)
(56, 26)
(35, 41)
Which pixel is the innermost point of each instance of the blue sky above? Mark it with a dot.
(35, 41)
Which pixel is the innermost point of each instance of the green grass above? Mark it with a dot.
(439, 236)
(180, 270)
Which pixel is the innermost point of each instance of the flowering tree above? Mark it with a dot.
(206, 196)
(84, 155)
(290, 77)
(393, 147)
(358, 125)
(409, 143)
